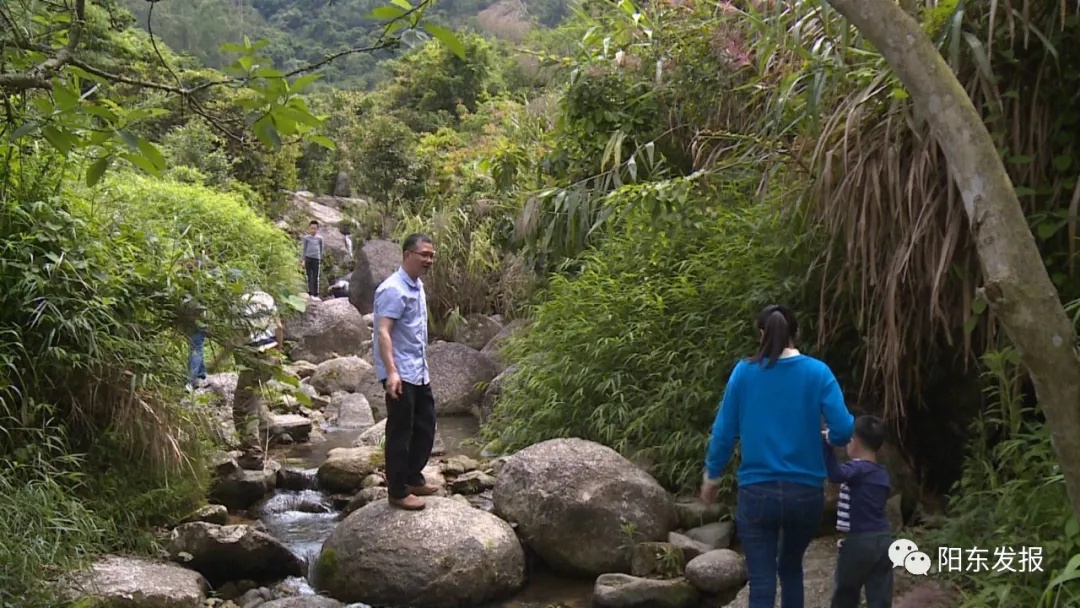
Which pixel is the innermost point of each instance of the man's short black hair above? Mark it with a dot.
(871, 431)
(415, 239)
(313, 223)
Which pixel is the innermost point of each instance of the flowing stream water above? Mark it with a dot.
(302, 517)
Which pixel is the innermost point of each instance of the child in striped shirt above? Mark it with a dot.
(863, 555)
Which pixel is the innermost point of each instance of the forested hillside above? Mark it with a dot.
(631, 182)
(303, 32)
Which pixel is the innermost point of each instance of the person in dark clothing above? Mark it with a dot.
(311, 252)
(863, 555)
(400, 345)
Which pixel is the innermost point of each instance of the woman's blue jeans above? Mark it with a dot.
(775, 522)
(196, 362)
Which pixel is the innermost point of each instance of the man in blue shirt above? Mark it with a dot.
(400, 345)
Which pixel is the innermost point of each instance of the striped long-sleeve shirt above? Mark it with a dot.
(864, 488)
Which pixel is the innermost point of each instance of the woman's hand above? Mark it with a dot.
(708, 492)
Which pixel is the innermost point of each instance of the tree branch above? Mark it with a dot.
(378, 46)
(23, 81)
(38, 76)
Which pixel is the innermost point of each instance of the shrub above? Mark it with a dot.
(96, 294)
(1011, 494)
(194, 145)
(380, 151)
(633, 352)
(46, 529)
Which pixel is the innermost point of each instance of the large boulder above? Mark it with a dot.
(376, 437)
(294, 426)
(375, 260)
(344, 374)
(717, 571)
(237, 489)
(625, 591)
(232, 553)
(492, 394)
(581, 506)
(455, 371)
(447, 555)
(137, 583)
(346, 468)
(494, 346)
(326, 330)
(478, 330)
(351, 411)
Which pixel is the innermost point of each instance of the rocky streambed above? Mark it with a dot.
(566, 522)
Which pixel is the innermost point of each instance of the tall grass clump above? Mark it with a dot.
(1011, 495)
(98, 290)
(634, 351)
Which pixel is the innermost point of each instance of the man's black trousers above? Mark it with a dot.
(410, 435)
(311, 268)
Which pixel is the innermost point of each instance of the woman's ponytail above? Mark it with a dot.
(778, 327)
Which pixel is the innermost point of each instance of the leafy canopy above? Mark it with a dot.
(67, 98)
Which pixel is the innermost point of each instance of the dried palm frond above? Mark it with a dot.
(905, 263)
(823, 104)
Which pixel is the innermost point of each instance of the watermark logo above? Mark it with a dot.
(1005, 559)
(904, 553)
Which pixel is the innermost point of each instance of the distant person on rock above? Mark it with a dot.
(863, 556)
(400, 345)
(311, 252)
(257, 359)
(190, 315)
(773, 404)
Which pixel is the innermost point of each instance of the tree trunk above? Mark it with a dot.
(1017, 285)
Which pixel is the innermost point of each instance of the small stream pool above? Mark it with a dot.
(303, 518)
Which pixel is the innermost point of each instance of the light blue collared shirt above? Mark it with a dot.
(401, 298)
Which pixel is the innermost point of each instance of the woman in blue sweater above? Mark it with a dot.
(774, 403)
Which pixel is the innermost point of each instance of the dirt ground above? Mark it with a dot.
(818, 567)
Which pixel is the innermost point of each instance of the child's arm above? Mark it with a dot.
(838, 473)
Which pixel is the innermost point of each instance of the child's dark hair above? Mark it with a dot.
(870, 431)
(313, 223)
(779, 328)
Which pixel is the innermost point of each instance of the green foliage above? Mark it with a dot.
(633, 350)
(1011, 494)
(436, 80)
(386, 167)
(98, 289)
(477, 270)
(46, 530)
(195, 146)
(306, 34)
(73, 104)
